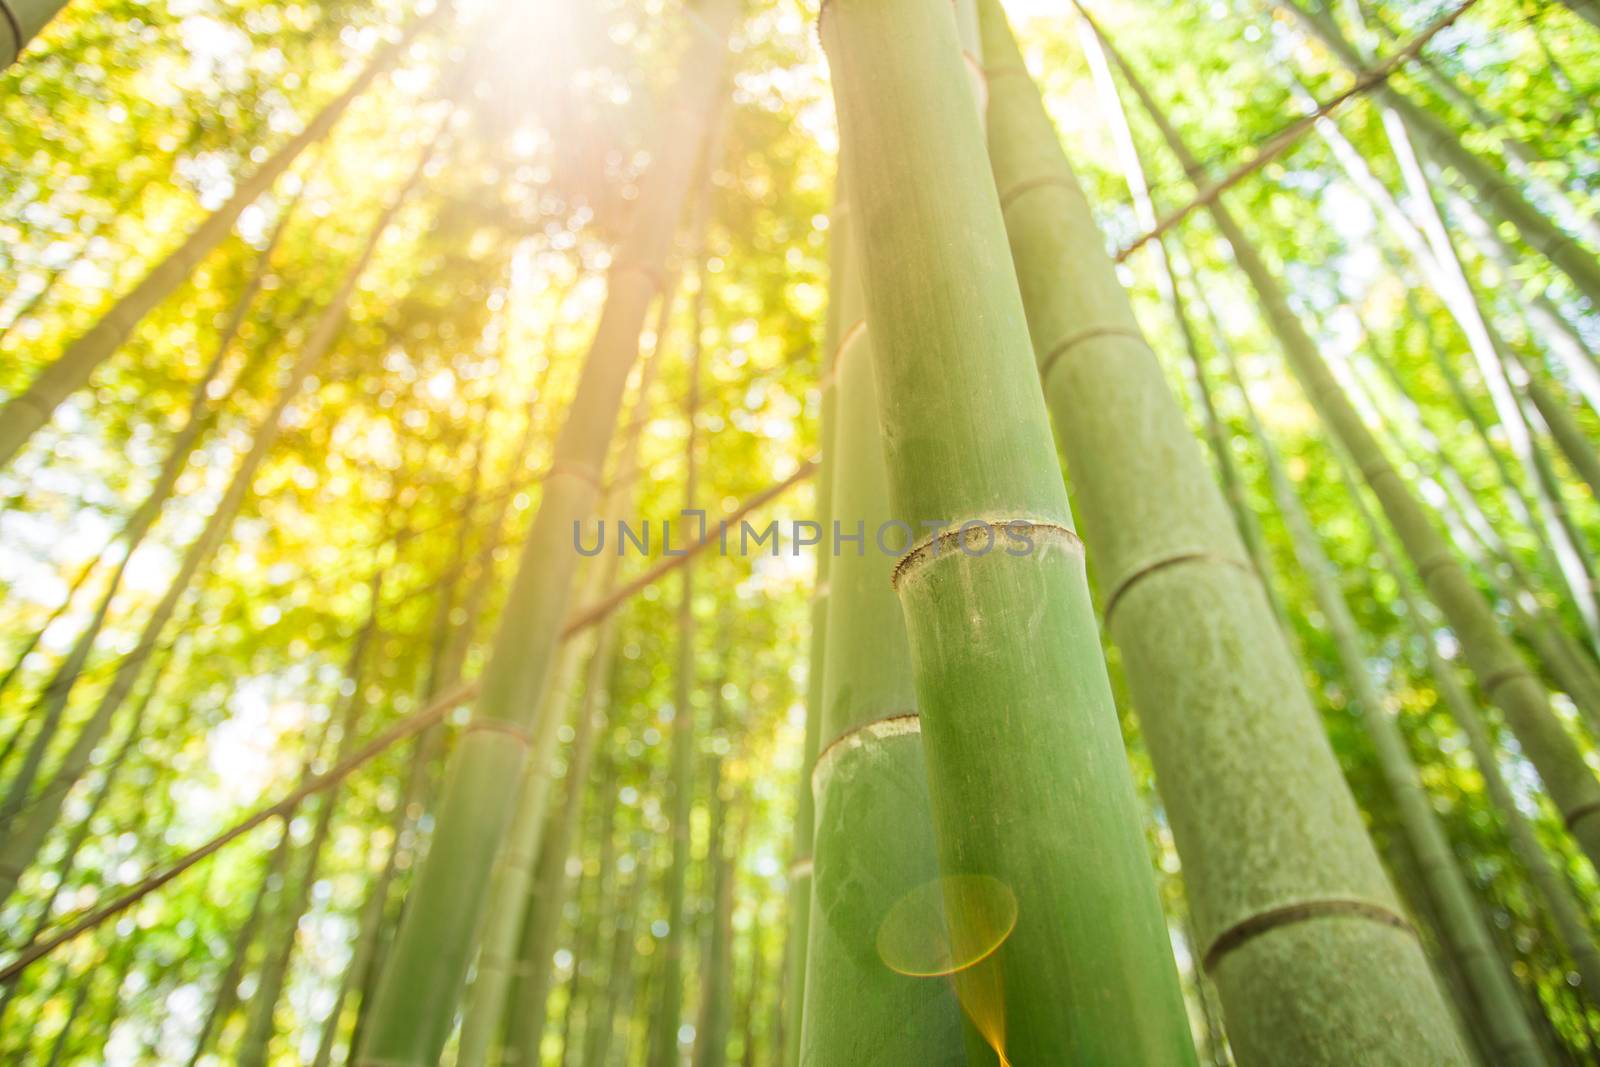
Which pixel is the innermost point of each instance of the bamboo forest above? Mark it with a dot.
(800, 533)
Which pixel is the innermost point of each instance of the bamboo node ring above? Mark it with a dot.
(1431, 564)
(851, 336)
(652, 274)
(981, 532)
(1571, 818)
(1066, 344)
(1161, 563)
(27, 397)
(1042, 181)
(1252, 927)
(498, 726)
(16, 27)
(900, 724)
(1496, 679)
(580, 471)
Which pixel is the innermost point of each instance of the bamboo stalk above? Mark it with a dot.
(1490, 353)
(680, 789)
(873, 844)
(1569, 437)
(1167, 277)
(1285, 889)
(416, 1000)
(486, 998)
(716, 975)
(1494, 659)
(594, 909)
(801, 864)
(1018, 727)
(546, 896)
(1572, 927)
(1496, 997)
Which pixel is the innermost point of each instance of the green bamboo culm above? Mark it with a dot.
(1566, 912)
(868, 1000)
(1019, 732)
(1495, 998)
(525, 1008)
(801, 865)
(1296, 922)
(29, 410)
(1498, 665)
(669, 1003)
(416, 999)
(721, 869)
(521, 849)
(22, 22)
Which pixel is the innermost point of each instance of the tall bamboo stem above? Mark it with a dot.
(1499, 667)
(1019, 732)
(1183, 601)
(416, 1000)
(872, 847)
(1498, 1002)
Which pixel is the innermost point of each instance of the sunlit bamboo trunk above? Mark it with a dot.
(873, 849)
(721, 866)
(1491, 356)
(1563, 659)
(416, 1000)
(1018, 728)
(1285, 889)
(1512, 491)
(802, 864)
(1572, 927)
(525, 1010)
(1569, 437)
(1167, 279)
(596, 910)
(1496, 999)
(1494, 659)
(1434, 255)
(668, 1017)
(515, 870)
(26, 412)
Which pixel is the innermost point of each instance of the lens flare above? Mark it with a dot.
(951, 928)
